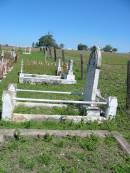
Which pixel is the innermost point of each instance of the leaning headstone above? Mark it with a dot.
(91, 87)
(93, 71)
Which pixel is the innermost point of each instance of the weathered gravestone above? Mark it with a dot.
(27, 50)
(91, 91)
(70, 75)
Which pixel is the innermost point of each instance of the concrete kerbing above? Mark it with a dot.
(122, 142)
(11, 133)
(42, 117)
(2, 139)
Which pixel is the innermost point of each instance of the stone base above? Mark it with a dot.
(51, 79)
(38, 117)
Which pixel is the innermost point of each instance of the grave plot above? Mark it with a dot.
(64, 75)
(89, 106)
(46, 153)
(27, 51)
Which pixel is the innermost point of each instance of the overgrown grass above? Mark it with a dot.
(68, 154)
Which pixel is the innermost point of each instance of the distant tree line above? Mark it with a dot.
(49, 41)
(107, 48)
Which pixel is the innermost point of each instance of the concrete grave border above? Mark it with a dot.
(13, 133)
(68, 78)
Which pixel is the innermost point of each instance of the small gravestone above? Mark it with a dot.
(70, 75)
(59, 68)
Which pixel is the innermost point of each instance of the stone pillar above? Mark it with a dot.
(70, 75)
(59, 68)
(8, 102)
(111, 107)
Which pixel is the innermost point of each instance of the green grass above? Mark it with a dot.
(112, 82)
(63, 155)
(70, 154)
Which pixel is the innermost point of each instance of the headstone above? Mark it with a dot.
(8, 102)
(93, 71)
(70, 75)
(59, 68)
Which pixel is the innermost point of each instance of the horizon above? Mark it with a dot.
(71, 22)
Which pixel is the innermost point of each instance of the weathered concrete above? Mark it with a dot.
(13, 133)
(39, 117)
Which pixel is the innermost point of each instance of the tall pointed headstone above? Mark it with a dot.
(93, 71)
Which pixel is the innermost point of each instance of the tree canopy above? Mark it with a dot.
(82, 47)
(108, 48)
(47, 41)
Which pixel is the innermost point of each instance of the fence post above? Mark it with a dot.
(44, 50)
(82, 67)
(63, 56)
(50, 53)
(55, 56)
(128, 88)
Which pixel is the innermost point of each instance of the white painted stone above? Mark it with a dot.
(27, 51)
(36, 78)
(7, 106)
(59, 68)
(111, 107)
(70, 75)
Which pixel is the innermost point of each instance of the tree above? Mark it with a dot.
(82, 47)
(108, 48)
(114, 50)
(61, 46)
(47, 41)
(37, 44)
(33, 45)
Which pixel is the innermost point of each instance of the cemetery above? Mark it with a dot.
(66, 113)
(65, 86)
(92, 97)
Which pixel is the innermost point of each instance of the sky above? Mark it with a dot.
(91, 22)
